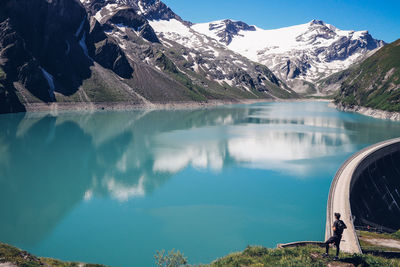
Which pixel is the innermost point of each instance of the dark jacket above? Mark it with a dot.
(339, 226)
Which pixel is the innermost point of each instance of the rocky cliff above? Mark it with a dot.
(90, 51)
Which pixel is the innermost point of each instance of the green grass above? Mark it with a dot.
(301, 256)
(195, 92)
(23, 258)
(251, 257)
(98, 91)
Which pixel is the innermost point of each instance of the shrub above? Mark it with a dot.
(170, 259)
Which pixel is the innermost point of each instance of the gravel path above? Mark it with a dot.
(390, 243)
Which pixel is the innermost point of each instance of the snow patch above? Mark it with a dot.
(171, 26)
(142, 10)
(300, 42)
(124, 27)
(166, 43)
(180, 33)
(193, 55)
(122, 45)
(107, 10)
(147, 60)
(196, 66)
(98, 15)
(222, 82)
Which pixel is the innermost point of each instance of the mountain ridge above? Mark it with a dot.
(93, 51)
(300, 53)
(141, 52)
(374, 83)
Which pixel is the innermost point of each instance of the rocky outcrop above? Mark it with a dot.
(55, 52)
(374, 113)
(202, 61)
(154, 10)
(42, 44)
(96, 32)
(9, 101)
(267, 75)
(110, 56)
(149, 9)
(129, 18)
(94, 51)
(228, 29)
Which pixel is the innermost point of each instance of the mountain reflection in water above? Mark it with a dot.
(51, 164)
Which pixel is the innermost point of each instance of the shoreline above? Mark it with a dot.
(370, 112)
(54, 108)
(109, 106)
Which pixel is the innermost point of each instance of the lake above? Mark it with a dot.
(115, 187)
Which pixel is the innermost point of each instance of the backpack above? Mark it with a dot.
(340, 226)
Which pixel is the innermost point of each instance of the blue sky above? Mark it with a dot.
(380, 18)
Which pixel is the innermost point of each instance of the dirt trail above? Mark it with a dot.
(390, 243)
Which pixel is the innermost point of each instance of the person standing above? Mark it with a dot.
(338, 228)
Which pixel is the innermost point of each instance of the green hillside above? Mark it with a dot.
(300, 256)
(11, 256)
(375, 83)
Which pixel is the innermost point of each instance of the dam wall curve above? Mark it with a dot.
(366, 191)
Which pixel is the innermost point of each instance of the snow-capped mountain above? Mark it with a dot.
(306, 52)
(299, 55)
(141, 52)
(90, 53)
(193, 53)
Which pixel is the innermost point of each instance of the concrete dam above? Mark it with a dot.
(375, 190)
(366, 191)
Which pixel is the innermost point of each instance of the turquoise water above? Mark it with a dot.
(115, 187)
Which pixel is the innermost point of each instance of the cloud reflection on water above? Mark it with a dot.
(125, 155)
(134, 152)
(272, 144)
(277, 150)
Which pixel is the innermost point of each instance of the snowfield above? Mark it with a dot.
(311, 47)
